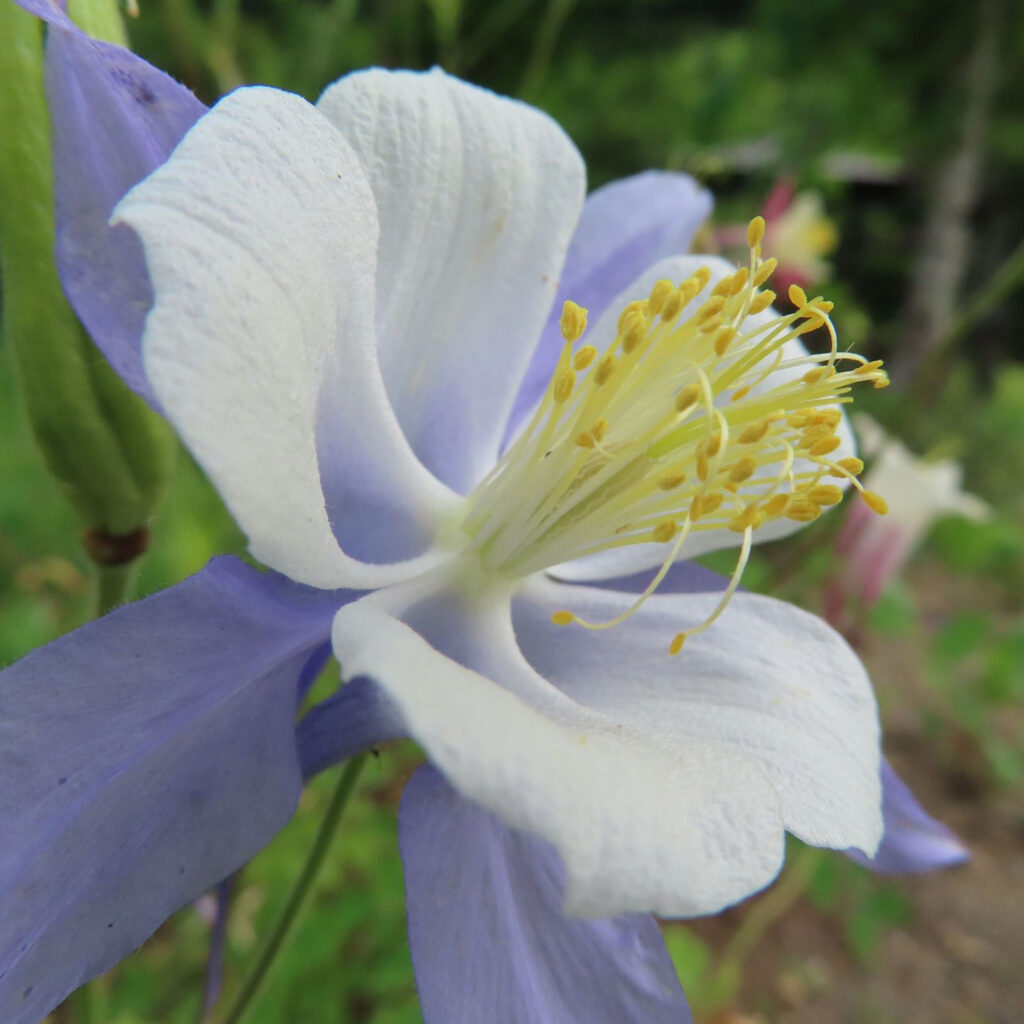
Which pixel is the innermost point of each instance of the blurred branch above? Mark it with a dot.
(546, 40)
(1003, 283)
(946, 237)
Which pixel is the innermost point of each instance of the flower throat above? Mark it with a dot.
(694, 418)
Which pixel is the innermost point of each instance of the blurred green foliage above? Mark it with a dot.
(859, 101)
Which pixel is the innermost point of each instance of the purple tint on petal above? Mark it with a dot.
(143, 758)
(682, 578)
(626, 226)
(913, 841)
(314, 665)
(488, 936)
(115, 119)
(52, 11)
(358, 716)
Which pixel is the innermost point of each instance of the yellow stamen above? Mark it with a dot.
(875, 502)
(584, 357)
(574, 321)
(755, 232)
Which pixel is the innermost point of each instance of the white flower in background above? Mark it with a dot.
(918, 493)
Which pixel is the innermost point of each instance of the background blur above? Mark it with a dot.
(889, 133)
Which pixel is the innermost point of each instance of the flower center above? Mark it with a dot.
(699, 415)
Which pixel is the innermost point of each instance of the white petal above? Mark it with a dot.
(624, 561)
(260, 238)
(768, 680)
(478, 197)
(642, 820)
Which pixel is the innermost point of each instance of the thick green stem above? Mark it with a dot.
(282, 931)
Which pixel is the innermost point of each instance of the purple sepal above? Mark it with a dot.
(143, 758)
(115, 118)
(914, 841)
(625, 227)
(488, 936)
(357, 717)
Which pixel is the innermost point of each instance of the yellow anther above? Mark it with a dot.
(702, 466)
(797, 296)
(755, 432)
(749, 518)
(826, 446)
(673, 307)
(565, 381)
(764, 271)
(599, 429)
(634, 334)
(762, 301)
(633, 310)
(723, 289)
(687, 398)
(776, 505)
(724, 339)
(574, 321)
(711, 308)
(664, 531)
(813, 376)
(799, 419)
(563, 618)
(755, 232)
(712, 503)
(659, 293)
(584, 357)
(882, 382)
(813, 434)
(714, 443)
(688, 291)
(586, 440)
(830, 416)
(702, 277)
(812, 323)
(851, 465)
(868, 368)
(712, 325)
(825, 306)
(739, 394)
(825, 494)
(604, 369)
(697, 507)
(738, 281)
(670, 481)
(743, 470)
(677, 643)
(802, 510)
(875, 502)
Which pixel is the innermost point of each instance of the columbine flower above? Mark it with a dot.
(346, 299)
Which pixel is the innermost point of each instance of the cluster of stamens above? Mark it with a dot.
(696, 417)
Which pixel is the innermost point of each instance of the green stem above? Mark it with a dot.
(774, 905)
(113, 586)
(285, 925)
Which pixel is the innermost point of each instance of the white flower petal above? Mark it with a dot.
(768, 680)
(478, 197)
(636, 558)
(260, 238)
(643, 820)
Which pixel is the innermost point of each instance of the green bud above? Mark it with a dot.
(111, 454)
